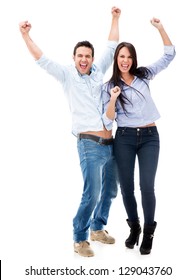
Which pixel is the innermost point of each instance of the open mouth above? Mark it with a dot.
(125, 66)
(83, 66)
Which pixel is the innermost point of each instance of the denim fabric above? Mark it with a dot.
(100, 187)
(142, 143)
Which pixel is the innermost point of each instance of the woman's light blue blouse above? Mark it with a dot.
(141, 110)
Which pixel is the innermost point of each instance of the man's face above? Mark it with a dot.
(83, 60)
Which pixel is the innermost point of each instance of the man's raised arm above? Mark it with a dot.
(114, 31)
(25, 27)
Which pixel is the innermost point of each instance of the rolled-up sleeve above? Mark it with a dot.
(163, 62)
(53, 68)
(107, 57)
(170, 50)
(108, 123)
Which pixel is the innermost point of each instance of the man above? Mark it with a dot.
(82, 86)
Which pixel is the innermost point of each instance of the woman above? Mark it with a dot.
(127, 100)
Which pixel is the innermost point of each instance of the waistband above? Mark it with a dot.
(147, 128)
(95, 138)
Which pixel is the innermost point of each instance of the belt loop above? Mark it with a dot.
(149, 130)
(123, 130)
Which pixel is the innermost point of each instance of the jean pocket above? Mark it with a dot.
(120, 132)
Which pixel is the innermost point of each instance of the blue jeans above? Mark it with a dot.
(100, 187)
(143, 143)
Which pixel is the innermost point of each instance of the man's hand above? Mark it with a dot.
(25, 27)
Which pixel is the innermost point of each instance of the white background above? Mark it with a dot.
(40, 179)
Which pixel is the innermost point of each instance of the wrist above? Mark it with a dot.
(25, 35)
(113, 98)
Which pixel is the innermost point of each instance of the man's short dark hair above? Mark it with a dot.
(86, 44)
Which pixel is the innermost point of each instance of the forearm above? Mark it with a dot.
(32, 47)
(110, 113)
(165, 38)
(114, 30)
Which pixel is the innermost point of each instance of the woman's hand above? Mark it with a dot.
(115, 92)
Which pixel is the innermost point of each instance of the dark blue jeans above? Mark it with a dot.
(142, 143)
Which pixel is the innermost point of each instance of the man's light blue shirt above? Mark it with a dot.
(82, 91)
(141, 110)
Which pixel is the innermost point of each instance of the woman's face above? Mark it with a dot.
(124, 60)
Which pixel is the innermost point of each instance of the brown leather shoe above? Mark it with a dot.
(102, 236)
(83, 249)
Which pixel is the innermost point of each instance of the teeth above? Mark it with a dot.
(83, 66)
